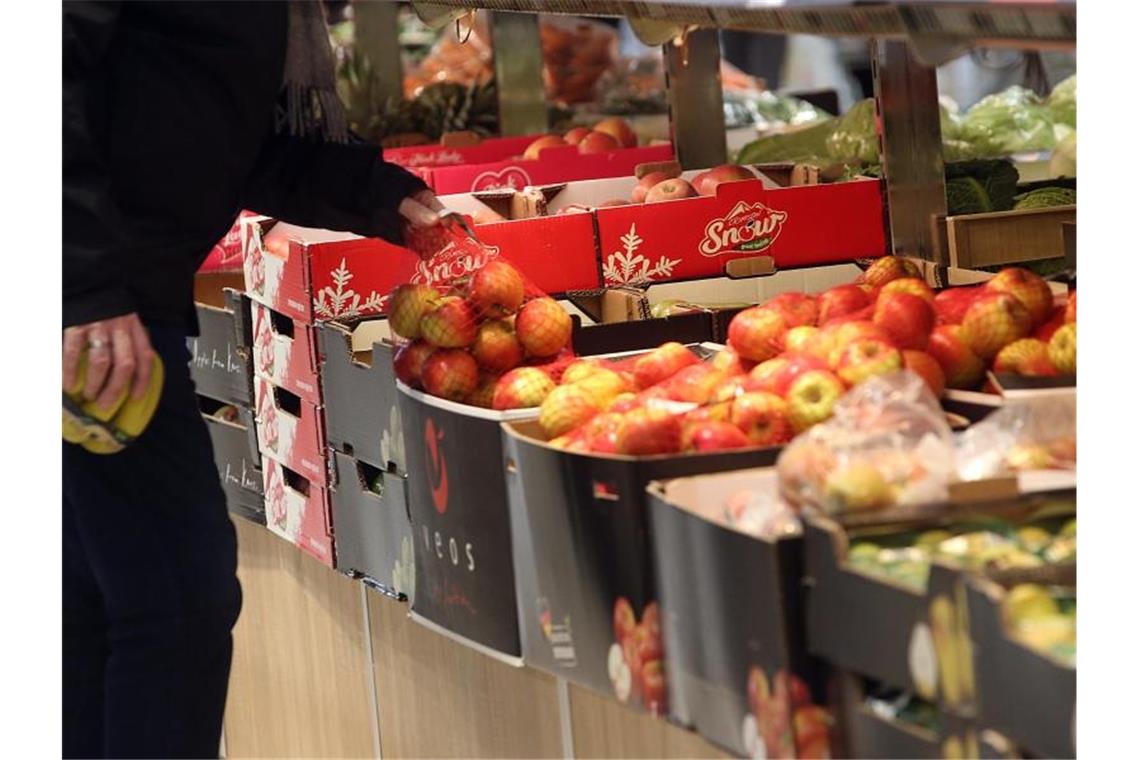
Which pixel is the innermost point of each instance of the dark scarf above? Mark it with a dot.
(311, 107)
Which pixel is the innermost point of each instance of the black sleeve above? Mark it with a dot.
(94, 285)
(340, 187)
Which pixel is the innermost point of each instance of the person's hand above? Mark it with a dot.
(421, 209)
(119, 355)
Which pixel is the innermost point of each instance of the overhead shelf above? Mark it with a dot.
(994, 23)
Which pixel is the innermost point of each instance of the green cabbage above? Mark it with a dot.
(1062, 102)
(855, 137)
(1013, 121)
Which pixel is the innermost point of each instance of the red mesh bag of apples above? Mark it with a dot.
(473, 329)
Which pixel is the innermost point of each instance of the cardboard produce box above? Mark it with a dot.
(220, 362)
(291, 430)
(237, 459)
(582, 546)
(373, 532)
(459, 148)
(298, 510)
(738, 668)
(362, 416)
(285, 353)
(1008, 671)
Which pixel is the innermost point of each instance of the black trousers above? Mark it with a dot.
(150, 591)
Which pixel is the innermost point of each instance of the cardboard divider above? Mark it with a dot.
(582, 548)
(285, 352)
(373, 532)
(237, 459)
(738, 668)
(362, 414)
(298, 510)
(1008, 671)
(220, 354)
(291, 430)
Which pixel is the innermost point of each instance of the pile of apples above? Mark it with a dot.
(606, 135)
(468, 344)
(662, 185)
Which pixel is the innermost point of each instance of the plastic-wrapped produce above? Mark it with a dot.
(854, 136)
(1013, 121)
(1032, 434)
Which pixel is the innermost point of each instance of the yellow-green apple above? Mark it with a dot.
(619, 129)
(598, 142)
(522, 388)
(542, 143)
(497, 290)
(927, 367)
(757, 333)
(799, 309)
(1071, 308)
(710, 435)
(847, 333)
(1063, 349)
(840, 301)
(1028, 356)
(543, 327)
(645, 432)
(579, 369)
(857, 487)
(484, 393)
(763, 417)
(799, 339)
(496, 348)
(912, 285)
(907, 318)
(729, 362)
(863, 359)
(812, 397)
(409, 361)
(565, 408)
(662, 363)
(777, 379)
(1027, 287)
(647, 183)
(950, 305)
(670, 190)
(407, 307)
(576, 134)
(451, 324)
(994, 320)
(708, 181)
(450, 374)
(885, 269)
(821, 343)
(604, 386)
(962, 367)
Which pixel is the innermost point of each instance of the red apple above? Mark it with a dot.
(546, 141)
(1056, 319)
(950, 305)
(598, 142)
(662, 363)
(994, 320)
(575, 135)
(961, 366)
(653, 692)
(799, 309)
(619, 129)
(1027, 287)
(927, 367)
(841, 300)
(670, 190)
(907, 318)
(1071, 308)
(711, 435)
(646, 183)
(757, 333)
(707, 182)
(763, 417)
(845, 334)
(912, 285)
(885, 269)
(777, 379)
(649, 431)
(800, 339)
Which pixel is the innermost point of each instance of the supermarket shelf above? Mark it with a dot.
(1000, 24)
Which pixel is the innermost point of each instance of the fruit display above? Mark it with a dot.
(606, 135)
(783, 722)
(636, 659)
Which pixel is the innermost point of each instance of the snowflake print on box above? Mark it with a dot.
(628, 267)
(339, 300)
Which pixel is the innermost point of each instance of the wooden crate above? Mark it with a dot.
(1005, 237)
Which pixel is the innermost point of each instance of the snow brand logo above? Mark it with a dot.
(454, 261)
(511, 178)
(748, 227)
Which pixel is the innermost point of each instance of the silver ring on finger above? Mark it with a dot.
(97, 344)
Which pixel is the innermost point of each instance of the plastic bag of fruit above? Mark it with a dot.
(1030, 434)
(471, 327)
(887, 444)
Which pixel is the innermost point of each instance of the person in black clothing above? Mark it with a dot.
(176, 115)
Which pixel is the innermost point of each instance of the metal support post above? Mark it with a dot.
(906, 101)
(696, 103)
(377, 31)
(518, 73)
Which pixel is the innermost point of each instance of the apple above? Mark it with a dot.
(758, 693)
(763, 417)
(1063, 349)
(907, 318)
(778, 374)
(670, 190)
(1056, 319)
(1071, 308)
(649, 431)
(994, 320)
(927, 367)
(1028, 356)
(846, 334)
(575, 135)
(812, 397)
(799, 339)
(613, 202)
(857, 487)
(799, 309)
(542, 143)
(729, 362)
(662, 363)
(653, 692)
(598, 142)
(708, 181)
(646, 183)
(841, 300)
(693, 384)
(912, 285)
(711, 435)
(868, 358)
(950, 305)
(961, 366)
(1027, 287)
(625, 621)
(619, 129)
(885, 269)
(757, 333)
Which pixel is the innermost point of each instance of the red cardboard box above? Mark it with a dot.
(285, 353)
(486, 151)
(225, 256)
(291, 430)
(323, 275)
(297, 509)
(554, 165)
